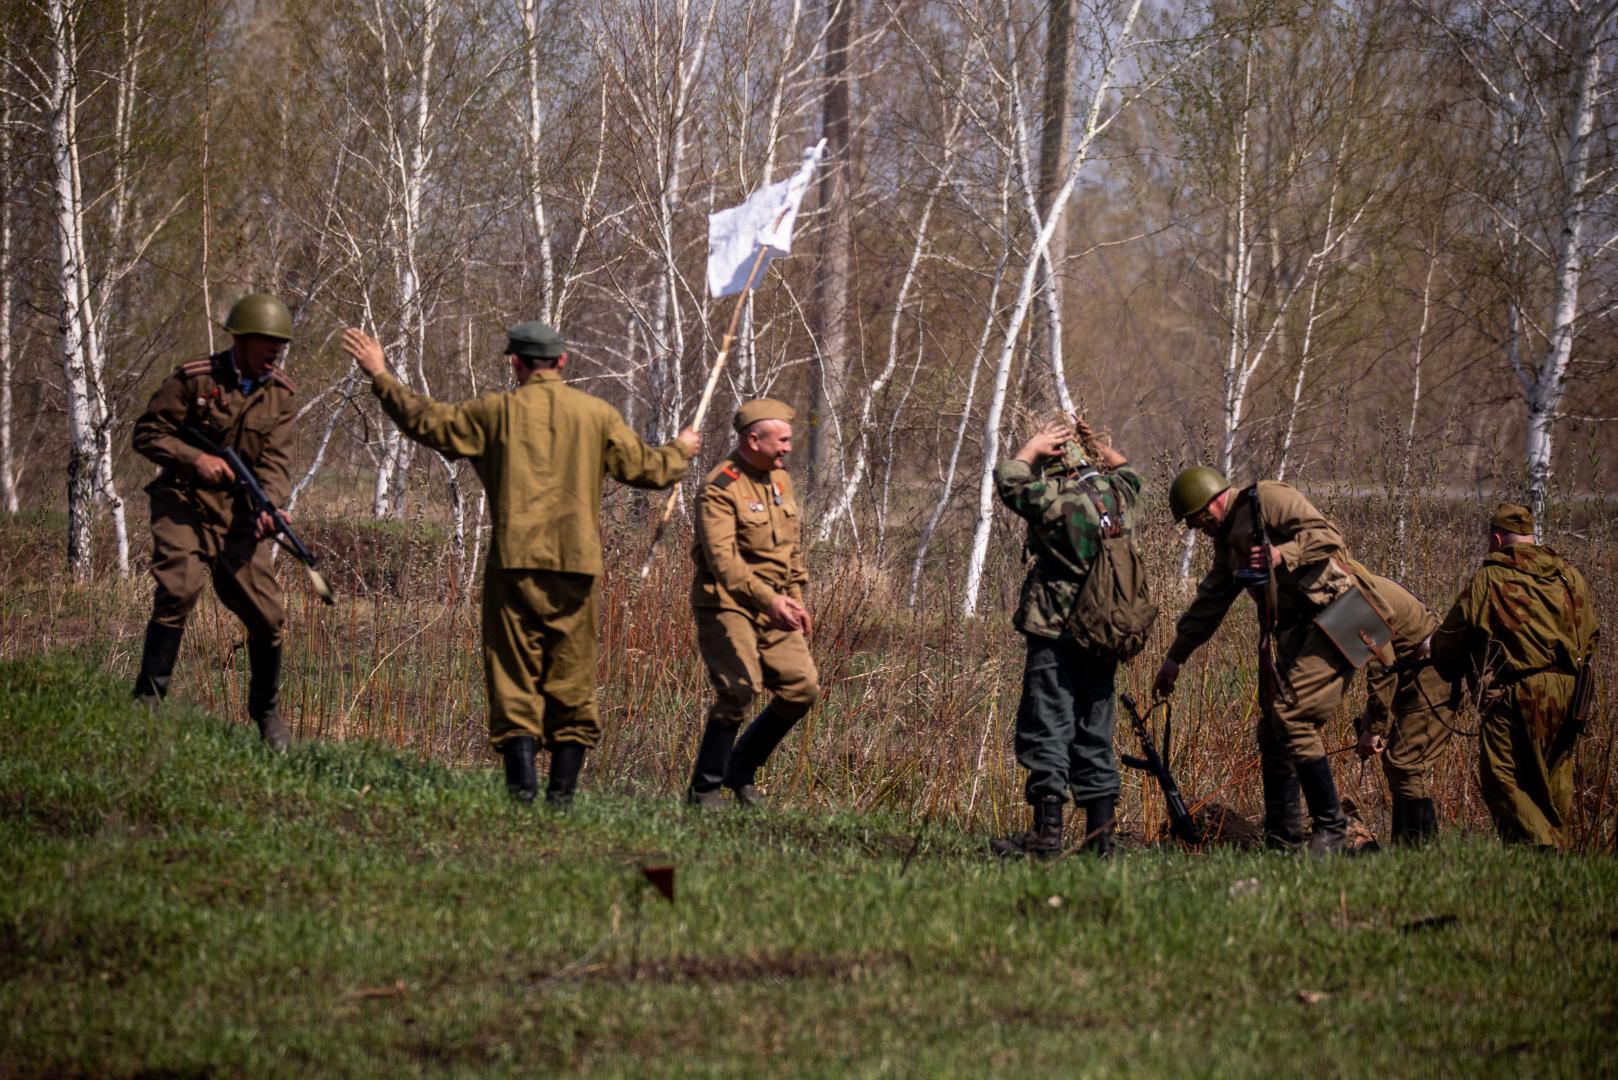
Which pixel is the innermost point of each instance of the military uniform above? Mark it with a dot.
(542, 452)
(1066, 716)
(201, 530)
(1315, 568)
(1519, 631)
(1412, 710)
(747, 551)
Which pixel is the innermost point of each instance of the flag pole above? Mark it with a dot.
(707, 398)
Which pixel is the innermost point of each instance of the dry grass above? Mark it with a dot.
(918, 710)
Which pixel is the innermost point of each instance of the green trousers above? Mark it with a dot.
(1065, 722)
(539, 656)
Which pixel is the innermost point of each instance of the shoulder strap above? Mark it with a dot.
(1258, 517)
(1110, 525)
(727, 476)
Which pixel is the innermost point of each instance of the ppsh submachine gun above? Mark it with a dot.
(1181, 824)
(285, 535)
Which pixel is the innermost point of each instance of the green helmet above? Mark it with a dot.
(1194, 489)
(260, 313)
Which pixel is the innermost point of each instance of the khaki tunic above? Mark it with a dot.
(747, 552)
(1411, 709)
(1315, 569)
(201, 530)
(543, 452)
(1518, 633)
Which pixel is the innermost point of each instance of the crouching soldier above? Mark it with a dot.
(1066, 716)
(1523, 632)
(543, 452)
(747, 595)
(202, 523)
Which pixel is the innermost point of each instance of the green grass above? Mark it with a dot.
(175, 900)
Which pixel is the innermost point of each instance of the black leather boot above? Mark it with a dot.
(1330, 830)
(1421, 821)
(157, 657)
(521, 783)
(756, 745)
(1098, 825)
(1283, 818)
(566, 760)
(1043, 840)
(1397, 822)
(264, 693)
(713, 757)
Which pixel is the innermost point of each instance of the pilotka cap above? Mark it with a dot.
(762, 408)
(1511, 518)
(535, 341)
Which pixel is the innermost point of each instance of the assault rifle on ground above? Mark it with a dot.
(261, 504)
(1181, 824)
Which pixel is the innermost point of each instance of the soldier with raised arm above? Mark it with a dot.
(543, 452)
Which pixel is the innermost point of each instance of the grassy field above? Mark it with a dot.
(176, 901)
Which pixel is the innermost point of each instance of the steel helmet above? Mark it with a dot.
(260, 313)
(1194, 489)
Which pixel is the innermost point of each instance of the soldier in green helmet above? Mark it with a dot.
(1065, 719)
(202, 525)
(1522, 633)
(1270, 540)
(543, 452)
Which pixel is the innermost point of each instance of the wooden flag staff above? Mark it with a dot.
(707, 396)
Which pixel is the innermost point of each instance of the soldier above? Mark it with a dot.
(1522, 632)
(201, 522)
(1066, 716)
(541, 451)
(747, 594)
(1269, 538)
(1409, 716)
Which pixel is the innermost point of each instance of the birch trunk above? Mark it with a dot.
(1054, 139)
(8, 474)
(1415, 409)
(829, 374)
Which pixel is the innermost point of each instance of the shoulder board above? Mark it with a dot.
(196, 367)
(284, 379)
(725, 477)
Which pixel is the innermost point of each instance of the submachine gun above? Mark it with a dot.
(284, 533)
(1181, 823)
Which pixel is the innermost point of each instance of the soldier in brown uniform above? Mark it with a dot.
(1266, 533)
(1409, 716)
(542, 452)
(748, 596)
(202, 524)
(1522, 633)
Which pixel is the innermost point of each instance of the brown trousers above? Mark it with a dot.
(188, 547)
(744, 657)
(539, 656)
(1289, 734)
(1422, 726)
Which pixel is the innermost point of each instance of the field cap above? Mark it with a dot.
(762, 408)
(535, 341)
(1511, 518)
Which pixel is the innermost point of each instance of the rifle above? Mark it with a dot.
(284, 534)
(1181, 824)
(1262, 584)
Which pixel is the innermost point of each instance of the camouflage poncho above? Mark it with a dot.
(1064, 534)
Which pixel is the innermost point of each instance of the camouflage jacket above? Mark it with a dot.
(1519, 632)
(207, 396)
(1064, 533)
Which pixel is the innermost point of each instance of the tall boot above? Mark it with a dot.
(567, 758)
(264, 693)
(1398, 823)
(521, 783)
(1421, 821)
(1043, 840)
(1098, 825)
(1330, 830)
(756, 745)
(713, 757)
(157, 657)
(1283, 819)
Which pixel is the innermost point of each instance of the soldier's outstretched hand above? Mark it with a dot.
(1163, 685)
(366, 351)
(691, 440)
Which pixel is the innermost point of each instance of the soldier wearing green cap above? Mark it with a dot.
(1065, 719)
(747, 595)
(1269, 539)
(202, 525)
(1520, 633)
(542, 451)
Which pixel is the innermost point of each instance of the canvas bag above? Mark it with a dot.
(1113, 613)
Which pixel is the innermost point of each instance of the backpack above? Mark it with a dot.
(1114, 611)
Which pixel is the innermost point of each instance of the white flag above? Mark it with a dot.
(765, 221)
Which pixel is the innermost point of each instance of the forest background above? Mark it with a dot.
(1368, 248)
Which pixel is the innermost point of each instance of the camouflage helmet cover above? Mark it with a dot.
(262, 314)
(1194, 489)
